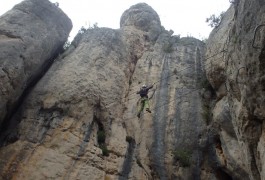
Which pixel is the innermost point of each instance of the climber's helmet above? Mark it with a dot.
(144, 86)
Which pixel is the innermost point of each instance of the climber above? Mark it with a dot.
(143, 102)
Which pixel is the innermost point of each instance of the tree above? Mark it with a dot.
(235, 2)
(214, 21)
(66, 45)
(82, 30)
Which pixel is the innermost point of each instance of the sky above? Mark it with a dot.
(184, 17)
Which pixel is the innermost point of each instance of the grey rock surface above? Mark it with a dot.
(237, 75)
(77, 120)
(142, 17)
(31, 35)
(80, 121)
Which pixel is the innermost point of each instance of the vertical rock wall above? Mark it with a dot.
(176, 124)
(31, 36)
(80, 121)
(237, 76)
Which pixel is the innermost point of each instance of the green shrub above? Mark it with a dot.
(101, 136)
(206, 114)
(175, 71)
(66, 45)
(130, 82)
(187, 41)
(167, 48)
(204, 83)
(129, 139)
(214, 21)
(176, 38)
(235, 39)
(139, 163)
(95, 26)
(105, 151)
(183, 157)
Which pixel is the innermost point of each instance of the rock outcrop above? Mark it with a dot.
(237, 75)
(79, 121)
(31, 35)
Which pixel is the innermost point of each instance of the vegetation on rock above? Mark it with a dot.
(214, 21)
(183, 157)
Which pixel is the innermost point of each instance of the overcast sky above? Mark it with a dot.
(184, 17)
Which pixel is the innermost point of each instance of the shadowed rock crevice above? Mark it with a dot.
(177, 117)
(222, 175)
(10, 123)
(6, 35)
(86, 138)
(127, 164)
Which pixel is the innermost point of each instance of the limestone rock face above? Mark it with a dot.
(31, 35)
(175, 122)
(216, 52)
(78, 98)
(237, 75)
(142, 17)
(80, 120)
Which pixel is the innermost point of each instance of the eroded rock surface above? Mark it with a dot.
(237, 74)
(31, 36)
(80, 121)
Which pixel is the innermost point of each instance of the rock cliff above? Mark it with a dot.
(31, 36)
(237, 75)
(79, 121)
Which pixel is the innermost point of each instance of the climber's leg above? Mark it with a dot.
(140, 107)
(146, 105)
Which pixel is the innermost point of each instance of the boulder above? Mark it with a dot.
(31, 35)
